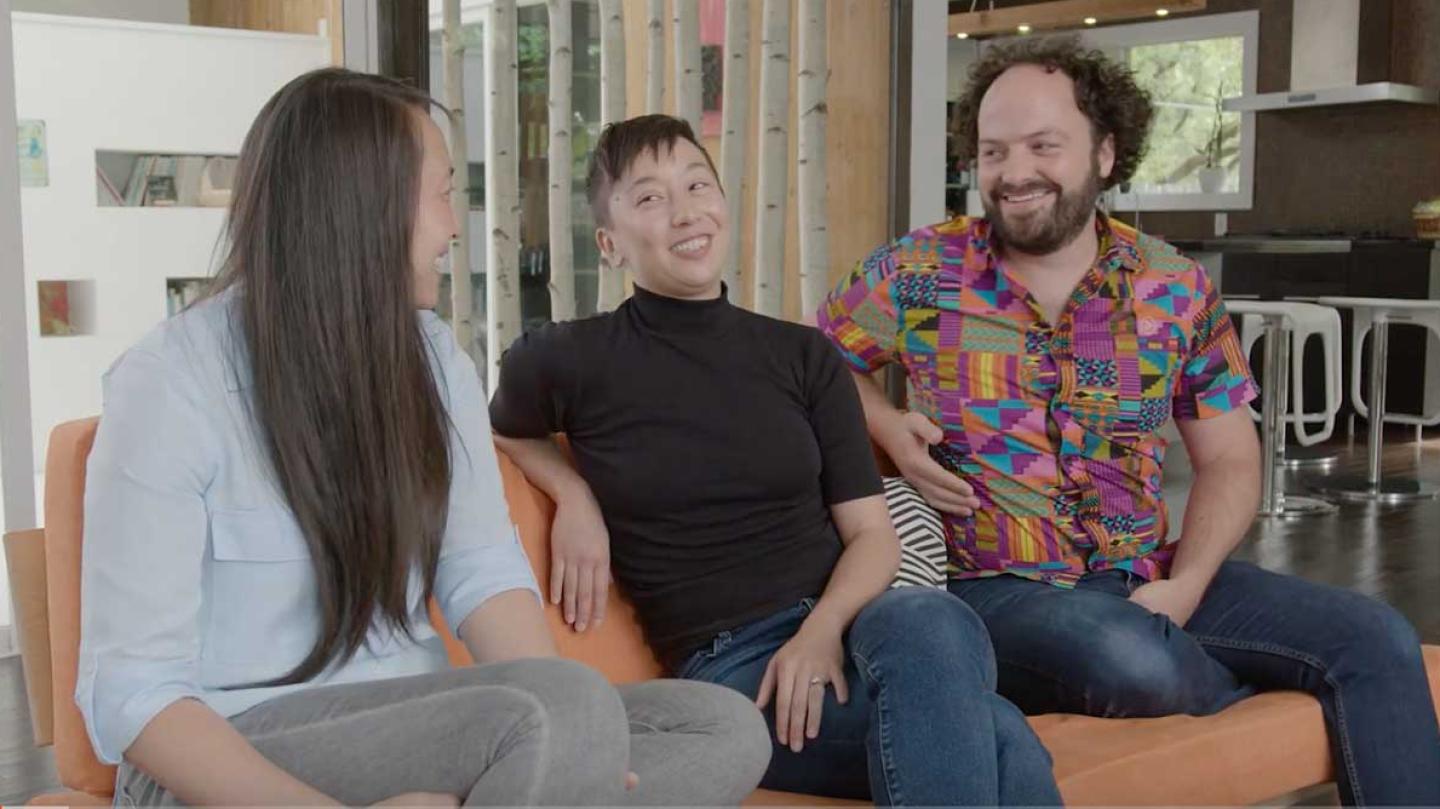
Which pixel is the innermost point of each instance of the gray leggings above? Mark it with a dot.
(527, 732)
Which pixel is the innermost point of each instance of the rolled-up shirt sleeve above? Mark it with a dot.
(861, 316)
(480, 555)
(1215, 374)
(144, 544)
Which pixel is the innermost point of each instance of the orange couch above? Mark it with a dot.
(1259, 749)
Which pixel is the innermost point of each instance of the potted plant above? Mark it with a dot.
(1212, 174)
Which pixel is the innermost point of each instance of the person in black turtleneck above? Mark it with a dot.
(725, 473)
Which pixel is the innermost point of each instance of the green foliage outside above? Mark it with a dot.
(1186, 81)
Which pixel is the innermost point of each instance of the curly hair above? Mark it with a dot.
(1105, 92)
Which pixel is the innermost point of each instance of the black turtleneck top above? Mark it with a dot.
(714, 439)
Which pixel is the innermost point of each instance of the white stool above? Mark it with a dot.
(1375, 315)
(1283, 323)
(1302, 320)
(1315, 455)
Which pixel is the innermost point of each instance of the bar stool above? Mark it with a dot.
(1315, 456)
(1321, 321)
(1375, 315)
(1281, 323)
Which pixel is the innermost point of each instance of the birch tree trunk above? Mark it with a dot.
(688, 103)
(562, 248)
(502, 186)
(773, 178)
(462, 297)
(813, 112)
(612, 109)
(655, 58)
(734, 130)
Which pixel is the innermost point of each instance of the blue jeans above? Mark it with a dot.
(1091, 650)
(923, 726)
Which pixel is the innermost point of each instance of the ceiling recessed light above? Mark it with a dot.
(1090, 20)
(1023, 28)
(1162, 12)
(962, 35)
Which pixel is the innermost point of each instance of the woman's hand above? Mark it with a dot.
(797, 677)
(580, 560)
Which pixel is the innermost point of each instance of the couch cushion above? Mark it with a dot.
(616, 647)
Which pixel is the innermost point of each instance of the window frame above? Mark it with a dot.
(1243, 24)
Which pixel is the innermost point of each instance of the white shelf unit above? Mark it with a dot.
(116, 86)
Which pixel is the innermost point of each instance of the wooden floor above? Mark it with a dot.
(1391, 553)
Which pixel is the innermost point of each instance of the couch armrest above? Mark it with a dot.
(25, 559)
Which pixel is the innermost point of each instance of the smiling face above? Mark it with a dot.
(435, 225)
(1040, 169)
(668, 222)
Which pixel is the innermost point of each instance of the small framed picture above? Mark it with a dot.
(34, 164)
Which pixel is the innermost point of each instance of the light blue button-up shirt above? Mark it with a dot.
(195, 574)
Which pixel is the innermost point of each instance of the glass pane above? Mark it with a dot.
(533, 53)
(1192, 142)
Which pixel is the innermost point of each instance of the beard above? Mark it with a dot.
(1042, 232)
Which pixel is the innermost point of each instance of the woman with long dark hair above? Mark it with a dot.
(285, 475)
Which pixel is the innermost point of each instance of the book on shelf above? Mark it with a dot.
(181, 292)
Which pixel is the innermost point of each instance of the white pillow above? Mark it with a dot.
(922, 536)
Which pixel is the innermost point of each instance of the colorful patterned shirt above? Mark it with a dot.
(1054, 425)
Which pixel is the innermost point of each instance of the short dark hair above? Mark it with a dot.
(1105, 92)
(621, 143)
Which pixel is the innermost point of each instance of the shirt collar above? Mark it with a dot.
(1119, 243)
(664, 314)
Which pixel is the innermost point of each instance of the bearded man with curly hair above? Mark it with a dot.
(1045, 345)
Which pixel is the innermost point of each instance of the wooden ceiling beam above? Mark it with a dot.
(1063, 14)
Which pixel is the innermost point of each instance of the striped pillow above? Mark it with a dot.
(922, 536)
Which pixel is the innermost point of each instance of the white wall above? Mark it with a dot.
(17, 500)
(102, 84)
(927, 113)
(167, 11)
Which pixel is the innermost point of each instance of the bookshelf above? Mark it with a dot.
(114, 95)
(134, 179)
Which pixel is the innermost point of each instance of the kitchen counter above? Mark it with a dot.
(1307, 266)
(1285, 245)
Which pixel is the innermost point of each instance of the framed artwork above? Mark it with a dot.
(34, 166)
(55, 314)
(67, 308)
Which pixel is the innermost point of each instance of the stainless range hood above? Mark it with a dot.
(1340, 53)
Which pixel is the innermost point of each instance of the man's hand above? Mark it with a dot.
(797, 677)
(907, 442)
(1174, 598)
(580, 560)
